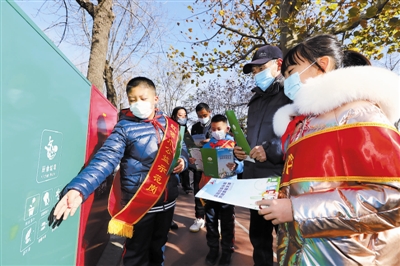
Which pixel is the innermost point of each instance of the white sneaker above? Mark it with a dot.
(197, 225)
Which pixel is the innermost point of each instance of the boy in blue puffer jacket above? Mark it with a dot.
(143, 143)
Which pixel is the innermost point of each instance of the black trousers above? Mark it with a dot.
(198, 207)
(185, 179)
(226, 214)
(146, 247)
(261, 238)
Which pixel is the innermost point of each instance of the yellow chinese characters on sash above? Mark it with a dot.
(123, 221)
(363, 152)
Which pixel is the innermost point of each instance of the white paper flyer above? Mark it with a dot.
(240, 192)
(196, 154)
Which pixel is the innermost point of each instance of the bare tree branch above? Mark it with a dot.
(66, 23)
(88, 6)
(84, 26)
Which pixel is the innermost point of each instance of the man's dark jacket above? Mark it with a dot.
(262, 108)
(198, 128)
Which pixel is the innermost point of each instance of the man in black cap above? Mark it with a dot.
(265, 145)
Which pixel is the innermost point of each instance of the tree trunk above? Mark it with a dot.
(103, 18)
(286, 10)
(108, 77)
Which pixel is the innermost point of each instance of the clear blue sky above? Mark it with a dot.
(177, 11)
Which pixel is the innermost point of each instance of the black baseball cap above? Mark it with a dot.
(263, 55)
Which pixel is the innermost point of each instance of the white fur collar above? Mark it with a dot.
(282, 118)
(326, 92)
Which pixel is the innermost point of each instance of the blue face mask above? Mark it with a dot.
(264, 79)
(293, 84)
(182, 121)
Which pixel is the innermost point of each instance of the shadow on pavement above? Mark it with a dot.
(187, 248)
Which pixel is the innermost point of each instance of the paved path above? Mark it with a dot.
(186, 248)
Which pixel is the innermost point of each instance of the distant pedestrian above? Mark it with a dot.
(179, 114)
(202, 127)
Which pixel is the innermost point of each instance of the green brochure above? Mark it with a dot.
(215, 162)
(239, 136)
(187, 138)
(178, 149)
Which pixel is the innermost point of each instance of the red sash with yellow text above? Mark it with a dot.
(123, 221)
(364, 152)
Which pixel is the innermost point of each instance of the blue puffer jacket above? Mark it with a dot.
(133, 144)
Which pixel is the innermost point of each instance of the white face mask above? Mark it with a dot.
(218, 135)
(204, 120)
(142, 109)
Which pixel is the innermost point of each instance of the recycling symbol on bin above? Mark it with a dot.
(51, 149)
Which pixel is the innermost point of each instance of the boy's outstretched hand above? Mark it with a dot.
(180, 165)
(277, 210)
(68, 204)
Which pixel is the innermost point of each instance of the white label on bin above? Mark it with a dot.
(28, 236)
(49, 155)
(46, 201)
(43, 227)
(32, 206)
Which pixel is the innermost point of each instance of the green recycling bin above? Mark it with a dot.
(43, 128)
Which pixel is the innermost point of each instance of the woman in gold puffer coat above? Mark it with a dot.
(339, 201)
